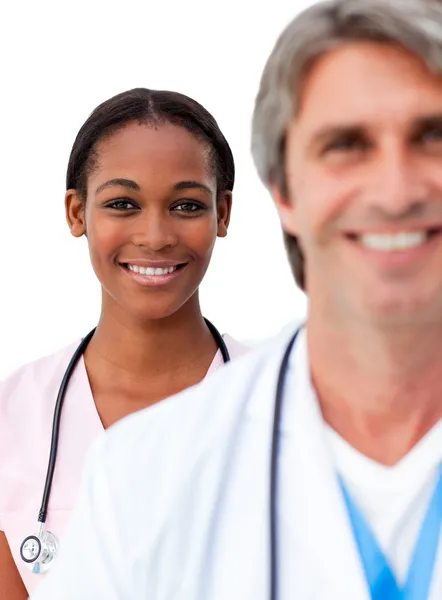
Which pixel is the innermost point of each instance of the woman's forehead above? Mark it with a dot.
(145, 151)
(149, 138)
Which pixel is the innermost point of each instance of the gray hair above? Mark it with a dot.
(415, 25)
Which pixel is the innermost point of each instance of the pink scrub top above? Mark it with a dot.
(27, 400)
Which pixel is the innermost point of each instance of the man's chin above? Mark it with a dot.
(402, 310)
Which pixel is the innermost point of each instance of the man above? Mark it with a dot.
(178, 500)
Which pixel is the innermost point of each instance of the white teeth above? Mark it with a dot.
(151, 270)
(397, 241)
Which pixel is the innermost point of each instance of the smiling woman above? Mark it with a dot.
(149, 184)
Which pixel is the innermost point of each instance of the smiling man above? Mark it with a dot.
(309, 470)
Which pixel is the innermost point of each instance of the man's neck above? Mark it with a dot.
(380, 390)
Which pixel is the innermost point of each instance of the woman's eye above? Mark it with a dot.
(121, 204)
(188, 207)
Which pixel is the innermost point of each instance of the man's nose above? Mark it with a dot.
(401, 188)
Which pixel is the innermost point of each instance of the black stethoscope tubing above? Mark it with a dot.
(278, 405)
(56, 423)
(273, 488)
(60, 400)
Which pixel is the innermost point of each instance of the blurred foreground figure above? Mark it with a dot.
(308, 470)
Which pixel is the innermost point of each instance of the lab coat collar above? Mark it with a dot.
(317, 516)
(318, 499)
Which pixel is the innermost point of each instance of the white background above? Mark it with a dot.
(61, 59)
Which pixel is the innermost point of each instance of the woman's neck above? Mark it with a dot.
(139, 350)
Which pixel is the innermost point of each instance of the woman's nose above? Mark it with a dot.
(156, 232)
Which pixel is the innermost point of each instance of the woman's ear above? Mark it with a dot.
(224, 208)
(75, 214)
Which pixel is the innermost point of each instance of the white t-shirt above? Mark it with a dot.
(393, 500)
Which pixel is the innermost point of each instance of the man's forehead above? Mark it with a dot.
(362, 82)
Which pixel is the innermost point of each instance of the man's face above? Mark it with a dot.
(364, 178)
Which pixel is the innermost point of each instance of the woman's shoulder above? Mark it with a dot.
(27, 399)
(24, 385)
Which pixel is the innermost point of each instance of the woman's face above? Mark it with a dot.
(151, 218)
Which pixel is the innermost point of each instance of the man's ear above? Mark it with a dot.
(224, 209)
(286, 208)
(75, 214)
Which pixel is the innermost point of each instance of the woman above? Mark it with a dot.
(149, 183)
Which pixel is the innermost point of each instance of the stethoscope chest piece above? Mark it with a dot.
(39, 551)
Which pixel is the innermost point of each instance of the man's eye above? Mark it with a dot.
(346, 144)
(432, 135)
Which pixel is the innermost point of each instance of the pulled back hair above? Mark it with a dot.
(144, 106)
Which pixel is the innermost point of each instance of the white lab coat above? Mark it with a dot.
(175, 505)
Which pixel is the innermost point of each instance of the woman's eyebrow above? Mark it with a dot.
(192, 184)
(127, 183)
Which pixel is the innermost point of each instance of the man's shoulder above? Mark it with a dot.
(160, 469)
(216, 395)
(196, 418)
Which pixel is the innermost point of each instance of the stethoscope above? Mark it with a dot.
(39, 551)
(273, 488)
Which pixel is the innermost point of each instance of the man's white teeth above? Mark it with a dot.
(397, 241)
(151, 270)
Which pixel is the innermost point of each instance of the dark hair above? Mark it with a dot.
(147, 106)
